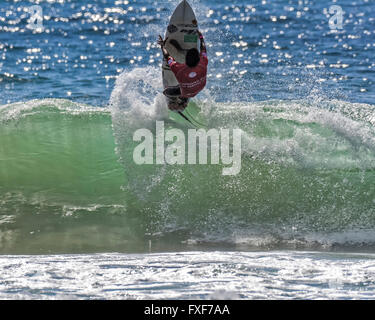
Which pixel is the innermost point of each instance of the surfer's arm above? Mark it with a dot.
(203, 45)
(166, 53)
(161, 43)
(170, 60)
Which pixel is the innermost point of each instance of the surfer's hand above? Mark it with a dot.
(200, 35)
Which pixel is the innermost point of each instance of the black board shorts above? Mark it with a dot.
(172, 92)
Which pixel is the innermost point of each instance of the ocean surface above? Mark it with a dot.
(80, 220)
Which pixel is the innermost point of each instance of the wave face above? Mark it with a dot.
(68, 182)
(59, 178)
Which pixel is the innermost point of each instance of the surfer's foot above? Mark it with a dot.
(176, 107)
(178, 104)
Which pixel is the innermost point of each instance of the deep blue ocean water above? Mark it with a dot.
(258, 50)
(79, 220)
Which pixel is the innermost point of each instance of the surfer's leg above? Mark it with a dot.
(172, 92)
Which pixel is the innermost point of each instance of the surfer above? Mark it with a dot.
(191, 76)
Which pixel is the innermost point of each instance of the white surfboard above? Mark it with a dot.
(181, 36)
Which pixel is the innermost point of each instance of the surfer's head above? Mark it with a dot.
(192, 58)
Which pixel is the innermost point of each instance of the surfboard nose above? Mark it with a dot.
(182, 12)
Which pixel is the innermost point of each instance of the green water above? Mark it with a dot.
(68, 182)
